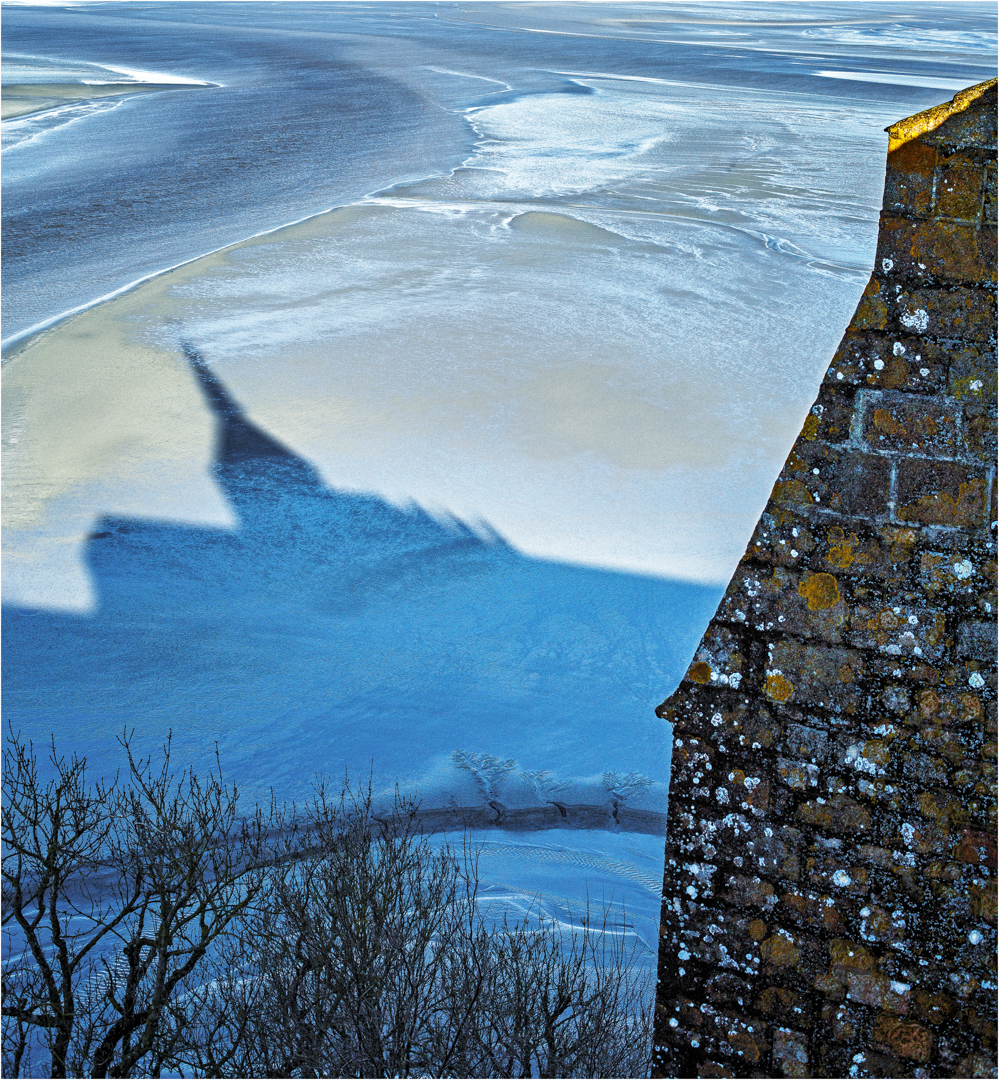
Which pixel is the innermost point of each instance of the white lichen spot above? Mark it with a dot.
(734, 680)
(917, 320)
(913, 620)
(839, 374)
(879, 365)
(975, 937)
(924, 371)
(841, 878)
(721, 796)
(975, 680)
(886, 265)
(898, 349)
(963, 569)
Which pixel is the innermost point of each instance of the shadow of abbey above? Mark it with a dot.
(333, 631)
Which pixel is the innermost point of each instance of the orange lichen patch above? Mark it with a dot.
(757, 929)
(778, 689)
(795, 464)
(976, 847)
(872, 311)
(905, 1038)
(895, 374)
(699, 673)
(884, 421)
(820, 590)
(792, 491)
(886, 619)
(943, 509)
(779, 951)
(846, 673)
(811, 428)
(745, 1044)
(929, 120)
(842, 555)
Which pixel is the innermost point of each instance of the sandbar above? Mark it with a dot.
(26, 98)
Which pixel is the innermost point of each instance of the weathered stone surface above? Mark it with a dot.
(830, 890)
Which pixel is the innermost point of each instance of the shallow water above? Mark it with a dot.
(462, 459)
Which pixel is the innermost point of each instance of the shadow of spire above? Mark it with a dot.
(333, 630)
(253, 470)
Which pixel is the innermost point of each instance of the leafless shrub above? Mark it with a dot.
(114, 892)
(167, 936)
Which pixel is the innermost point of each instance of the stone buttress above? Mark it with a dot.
(830, 893)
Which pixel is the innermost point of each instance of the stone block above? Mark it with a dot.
(940, 493)
(829, 420)
(970, 129)
(980, 432)
(946, 707)
(972, 373)
(888, 362)
(902, 630)
(872, 311)
(958, 189)
(804, 604)
(839, 815)
(949, 572)
(977, 640)
(748, 893)
(781, 538)
(904, 422)
(967, 313)
(877, 1066)
(806, 743)
(817, 476)
(937, 251)
(989, 193)
(909, 179)
(790, 1052)
(720, 659)
(905, 1038)
(813, 674)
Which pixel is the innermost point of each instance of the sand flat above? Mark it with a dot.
(23, 99)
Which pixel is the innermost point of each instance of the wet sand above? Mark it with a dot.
(22, 100)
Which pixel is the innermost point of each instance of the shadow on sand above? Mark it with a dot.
(333, 631)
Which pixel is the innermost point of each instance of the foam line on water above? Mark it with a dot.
(892, 79)
(466, 75)
(717, 88)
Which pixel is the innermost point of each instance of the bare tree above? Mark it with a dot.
(371, 959)
(152, 930)
(114, 892)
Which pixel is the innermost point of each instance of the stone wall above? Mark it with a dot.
(829, 902)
